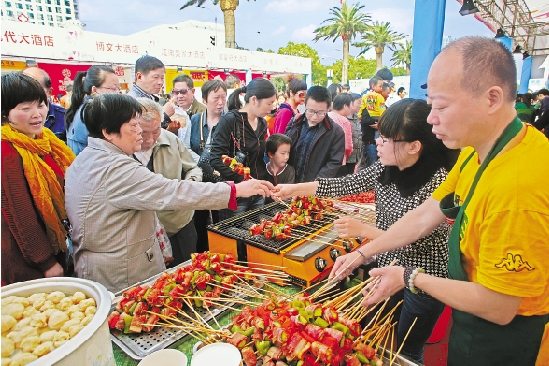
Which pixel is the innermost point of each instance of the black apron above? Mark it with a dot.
(473, 340)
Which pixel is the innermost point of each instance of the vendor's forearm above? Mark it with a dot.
(470, 297)
(413, 226)
(305, 189)
(371, 232)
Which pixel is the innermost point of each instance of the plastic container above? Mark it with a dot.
(217, 354)
(92, 345)
(165, 357)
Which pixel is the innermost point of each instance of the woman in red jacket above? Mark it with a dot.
(33, 200)
(295, 91)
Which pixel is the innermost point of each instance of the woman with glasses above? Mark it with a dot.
(240, 134)
(295, 91)
(412, 164)
(99, 79)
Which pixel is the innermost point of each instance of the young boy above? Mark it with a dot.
(373, 101)
(278, 148)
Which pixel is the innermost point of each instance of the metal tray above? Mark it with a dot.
(138, 346)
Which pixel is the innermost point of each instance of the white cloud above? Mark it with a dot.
(304, 34)
(401, 20)
(279, 30)
(309, 6)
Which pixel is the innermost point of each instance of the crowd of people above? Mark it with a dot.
(134, 167)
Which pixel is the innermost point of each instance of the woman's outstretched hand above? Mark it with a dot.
(254, 187)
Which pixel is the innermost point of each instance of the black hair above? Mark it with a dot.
(319, 94)
(400, 90)
(341, 101)
(355, 96)
(407, 120)
(295, 86)
(527, 99)
(494, 66)
(334, 90)
(384, 74)
(373, 81)
(211, 86)
(184, 79)
(260, 87)
(274, 141)
(346, 86)
(109, 112)
(20, 88)
(385, 86)
(68, 88)
(83, 83)
(147, 63)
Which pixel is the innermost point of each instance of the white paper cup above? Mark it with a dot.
(165, 357)
(217, 354)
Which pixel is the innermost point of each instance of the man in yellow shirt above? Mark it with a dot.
(498, 268)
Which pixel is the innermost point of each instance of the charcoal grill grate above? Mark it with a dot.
(237, 228)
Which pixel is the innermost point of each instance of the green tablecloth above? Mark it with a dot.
(186, 344)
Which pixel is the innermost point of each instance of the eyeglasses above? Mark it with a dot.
(385, 140)
(180, 91)
(310, 112)
(115, 89)
(301, 94)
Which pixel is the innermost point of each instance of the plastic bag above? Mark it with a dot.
(164, 242)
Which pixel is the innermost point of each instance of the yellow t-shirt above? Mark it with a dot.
(374, 103)
(505, 238)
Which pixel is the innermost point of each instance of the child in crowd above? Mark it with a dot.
(373, 101)
(278, 148)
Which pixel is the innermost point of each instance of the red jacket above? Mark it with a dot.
(26, 250)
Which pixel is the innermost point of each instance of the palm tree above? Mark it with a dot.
(346, 23)
(379, 35)
(403, 56)
(227, 7)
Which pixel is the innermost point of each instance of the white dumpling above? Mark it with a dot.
(8, 346)
(72, 309)
(56, 297)
(49, 312)
(32, 298)
(25, 322)
(22, 359)
(91, 310)
(39, 302)
(7, 300)
(70, 323)
(47, 305)
(14, 309)
(65, 303)
(87, 320)
(78, 315)
(39, 320)
(21, 300)
(5, 361)
(78, 296)
(18, 336)
(74, 330)
(57, 319)
(29, 311)
(47, 336)
(43, 349)
(29, 344)
(8, 322)
(84, 304)
(60, 336)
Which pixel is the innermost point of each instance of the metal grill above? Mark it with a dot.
(237, 228)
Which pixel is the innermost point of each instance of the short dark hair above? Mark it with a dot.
(274, 141)
(20, 88)
(260, 87)
(211, 86)
(342, 100)
(495, 65)
(407, 120)
(334, 90)
(319, 94)
(384, 74)
(373, 81)
(184, 79)
(400, 90)
(346, 86)
(109, 112)
(295, 86)
(68, 88)
(147, 63)
(386, 85)
(355, 96)
(543, 91)
(230, 80)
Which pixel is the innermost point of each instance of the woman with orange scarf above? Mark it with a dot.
(33, 169)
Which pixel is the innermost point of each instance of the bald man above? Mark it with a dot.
(55, 120)
(497, 200)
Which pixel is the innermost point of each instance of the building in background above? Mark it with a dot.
(51, 13)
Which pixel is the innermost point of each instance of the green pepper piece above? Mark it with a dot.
(132, 309)
(248, 332)
(222, 257)
(341, 327)
(321, 323)
(235, 328)
(298, 304)
(147, 293)
(277, 324)
(209, 288)
(300, 363)
(197, 303)
(218, 278)
(168, 288)
(304, 314)
(127, 322)
(263, 346)
(372, 362)
(362, 358)
(317, 312)
(195, 275)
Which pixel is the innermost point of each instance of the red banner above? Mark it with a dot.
(62, 75)
(241, 75)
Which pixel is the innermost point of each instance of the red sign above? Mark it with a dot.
(61, 75)
(241, 75)
(119, 71)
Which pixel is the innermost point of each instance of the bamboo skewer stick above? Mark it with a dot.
(259, 269)
(262, 264)
(404, 340)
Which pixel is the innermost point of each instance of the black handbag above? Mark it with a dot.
(209, 174)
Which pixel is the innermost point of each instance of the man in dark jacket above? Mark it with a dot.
(318, 144)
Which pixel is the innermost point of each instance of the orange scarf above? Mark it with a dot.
(46, 191)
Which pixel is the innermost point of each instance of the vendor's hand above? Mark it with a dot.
(392, 281)
(283, 191)
(374, 125)
(253, 187)
(174, 126)
(168, 260)
(54, 271)
(169, 109)
(349, 227)
(345, 264)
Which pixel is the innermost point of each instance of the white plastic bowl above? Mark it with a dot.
(217, 354)
(92, 345)
(165, 357)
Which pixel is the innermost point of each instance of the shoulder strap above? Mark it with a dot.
(201, 128)
(466, 161)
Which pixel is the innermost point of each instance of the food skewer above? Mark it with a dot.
(402, 344)
(261, 264)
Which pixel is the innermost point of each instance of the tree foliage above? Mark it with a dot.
(403, 56)
(378, 36)
(302, 50)
(359, 68)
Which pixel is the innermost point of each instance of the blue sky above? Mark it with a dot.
(269, 24)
